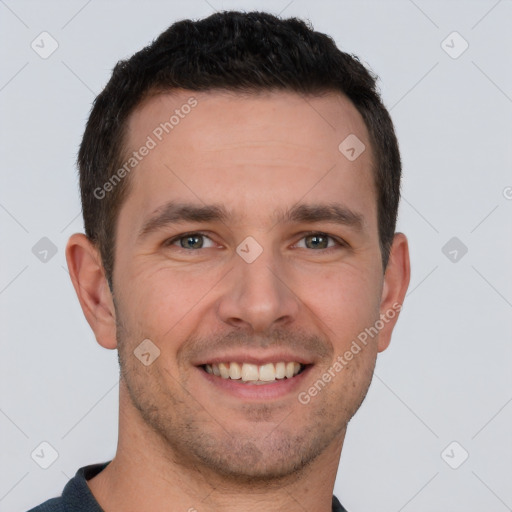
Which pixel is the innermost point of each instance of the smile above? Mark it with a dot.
(253, 373)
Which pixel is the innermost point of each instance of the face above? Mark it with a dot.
(247, 252)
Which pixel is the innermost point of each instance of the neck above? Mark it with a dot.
(147, 475)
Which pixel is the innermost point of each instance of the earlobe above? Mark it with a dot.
(91, 286)
(396, 282)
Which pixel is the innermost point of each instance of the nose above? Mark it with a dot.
(258, 296)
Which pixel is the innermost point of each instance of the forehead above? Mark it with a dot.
(251, 150)
(226, 117)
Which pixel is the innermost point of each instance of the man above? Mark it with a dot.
(240, 183)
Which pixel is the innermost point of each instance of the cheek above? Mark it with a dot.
(345, 299)
(161, 301)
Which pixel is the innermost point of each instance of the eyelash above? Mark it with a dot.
(339, 242)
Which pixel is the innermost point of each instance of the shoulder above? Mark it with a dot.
(337, 506)
(52, 505)
(76, 496)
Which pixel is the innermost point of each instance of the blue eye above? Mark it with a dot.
(319, 241)
(190, 241)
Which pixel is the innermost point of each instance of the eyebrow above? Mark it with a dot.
(176, 212)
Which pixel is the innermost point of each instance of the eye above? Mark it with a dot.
(319, 241)
(191, 241)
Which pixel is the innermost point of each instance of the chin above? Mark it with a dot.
(270, 459)
(262, 469)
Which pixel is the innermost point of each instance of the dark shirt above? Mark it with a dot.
(77, 497)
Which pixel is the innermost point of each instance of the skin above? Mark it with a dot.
(185, 444)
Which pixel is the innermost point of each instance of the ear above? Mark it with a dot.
(91, 286)
(396, 282)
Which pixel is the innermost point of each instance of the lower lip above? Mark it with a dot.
(273, 390)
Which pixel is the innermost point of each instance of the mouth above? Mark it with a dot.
(256, 381)
(249, 373)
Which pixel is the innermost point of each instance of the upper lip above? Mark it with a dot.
(257, 358)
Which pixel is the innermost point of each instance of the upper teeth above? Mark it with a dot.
(252, 372)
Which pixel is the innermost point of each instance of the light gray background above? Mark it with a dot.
(447, 374)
